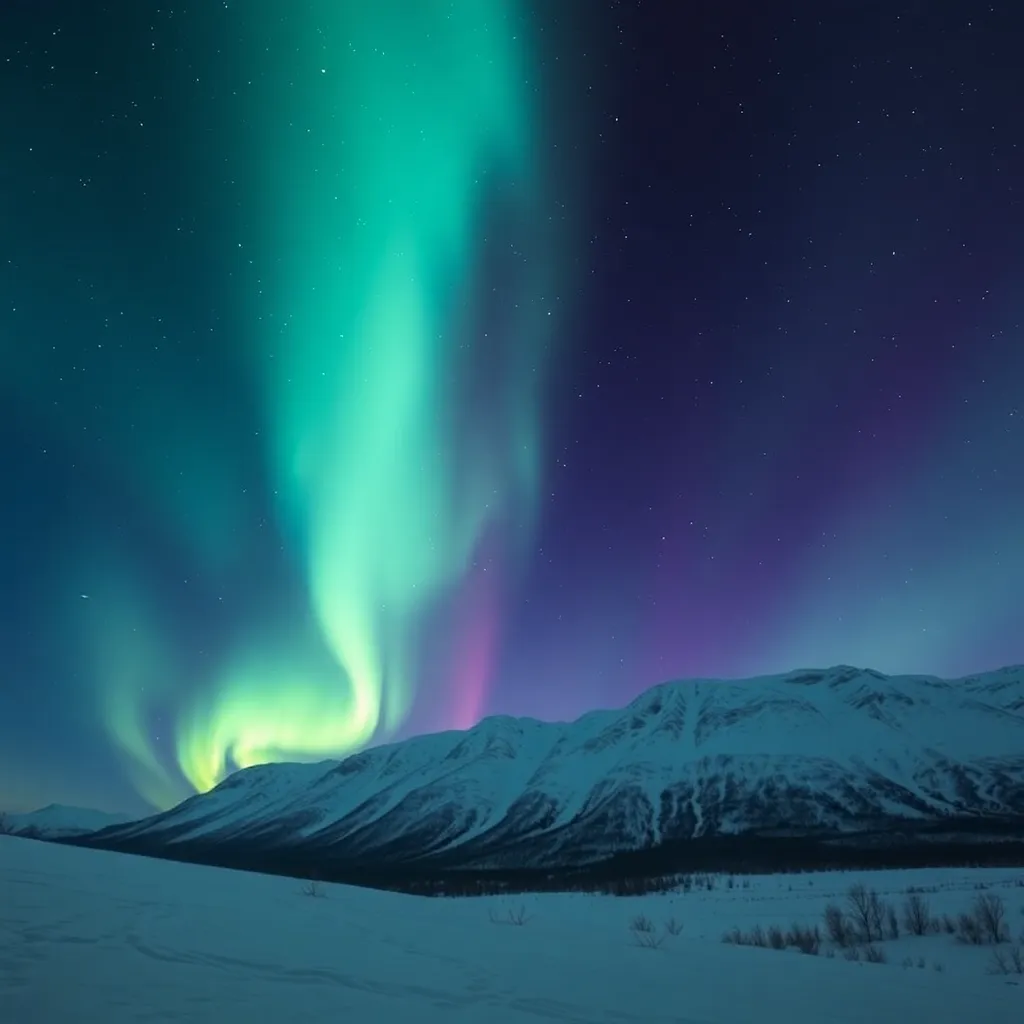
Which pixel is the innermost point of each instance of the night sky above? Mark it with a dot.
(367, 368)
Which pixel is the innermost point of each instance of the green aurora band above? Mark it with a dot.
(383, 140)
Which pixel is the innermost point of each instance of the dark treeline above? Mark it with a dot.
(679, 864)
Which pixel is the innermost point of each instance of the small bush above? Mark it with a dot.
(514, 915)
(985, 924)
(990, 913)
(644, 933)
(805, 939)
(642, 923)
(518, 916)
(968, 930)
(837, 926)
(1007, 960)
(801, 937)
(755, 937)
(949, 924)
(868, 912)
(917, 918)
(875, 955)
(673, 927)
(852, 954)
(313, 888)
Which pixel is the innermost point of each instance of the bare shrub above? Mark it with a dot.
(868, 911)
(875, 955)
(917, 918)
(968, 930)
(673, 927)
(990, 913)
(514, 915)
(937, 967)
(313, 888)
(1007, 960)
(804, 938)
(837, 926)
(642, 923)
(949, 924)
(801, 937)
(892, 924)
(647, 939)
(517, 916)
(852, 953)
(985, 924)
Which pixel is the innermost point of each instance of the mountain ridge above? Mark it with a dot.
(836, 751)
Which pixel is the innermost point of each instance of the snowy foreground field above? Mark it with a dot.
(99, 937)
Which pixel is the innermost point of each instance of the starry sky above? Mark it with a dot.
(366, 369)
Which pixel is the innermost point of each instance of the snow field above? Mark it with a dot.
(93, 936)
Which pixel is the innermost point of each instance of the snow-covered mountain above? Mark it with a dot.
(56, 821)
(839, 750)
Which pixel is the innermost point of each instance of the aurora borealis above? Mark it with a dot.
(367, 369)
(365, 281)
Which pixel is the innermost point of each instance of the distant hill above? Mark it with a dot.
(57, 821)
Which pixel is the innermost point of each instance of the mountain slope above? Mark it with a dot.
(840, 750)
